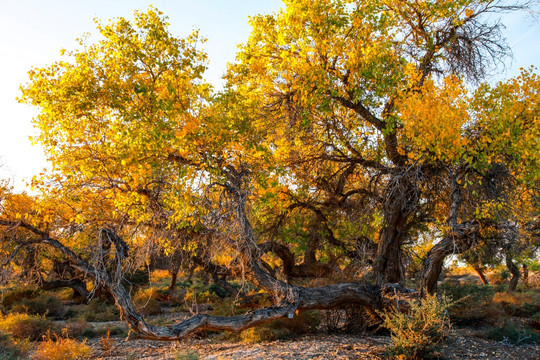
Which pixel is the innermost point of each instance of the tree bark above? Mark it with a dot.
(78, 287)
(401, 200)
(433, 261)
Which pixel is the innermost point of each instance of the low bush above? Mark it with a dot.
(13, 296)
(257, 334)
(46, 304)
(509, 333)
(522, 304)
(79, 328)
(306, 322)
(186, 355)
(146, 301)
(11, 349)
(24, 326)
(61, 348)
(419, 333)
(99, 311)
(473, 304)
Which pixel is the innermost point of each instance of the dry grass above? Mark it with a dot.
(61, 348)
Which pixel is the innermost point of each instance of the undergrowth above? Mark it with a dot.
(419, 333)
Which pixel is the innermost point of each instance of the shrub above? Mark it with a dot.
(61, 348)
(17, 294)
(508, 333)
(24, 326)
(186, 355)
(524, 304)
(79, 328)
(473, 304)
(257, 334)
(43, 304)
(306, 322)
(10, 349)
(99, 311)
(419, 333)
(146, 301)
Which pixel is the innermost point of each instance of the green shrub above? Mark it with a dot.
(186, 355)
(43, 304)
(15, 295)
(306, 322)
(146, 301)
(418, 333)
(99, 311)
(24, 326)
(257, 334)
(510, 334)
(79, 328)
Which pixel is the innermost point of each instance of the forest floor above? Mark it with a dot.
(463, 344)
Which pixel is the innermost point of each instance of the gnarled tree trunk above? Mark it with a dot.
(401, 200)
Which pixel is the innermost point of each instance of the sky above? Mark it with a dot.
(32, 32)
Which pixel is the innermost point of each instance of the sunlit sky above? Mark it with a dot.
(33, 31)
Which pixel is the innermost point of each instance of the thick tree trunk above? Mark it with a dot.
(401, 200)
(478, 269)
(388, 264)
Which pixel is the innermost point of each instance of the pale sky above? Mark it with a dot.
(32, 32)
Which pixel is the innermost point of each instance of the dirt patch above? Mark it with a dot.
(463, 344)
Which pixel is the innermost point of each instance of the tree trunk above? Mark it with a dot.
(478, 269)
(459, 240)
(388, 264)
(525, 274)
(514, 270)
(401, 200)
(432, 265)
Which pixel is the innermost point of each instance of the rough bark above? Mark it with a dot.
(401, 200)
(525, 274)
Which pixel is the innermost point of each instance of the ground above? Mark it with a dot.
(463, 344)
